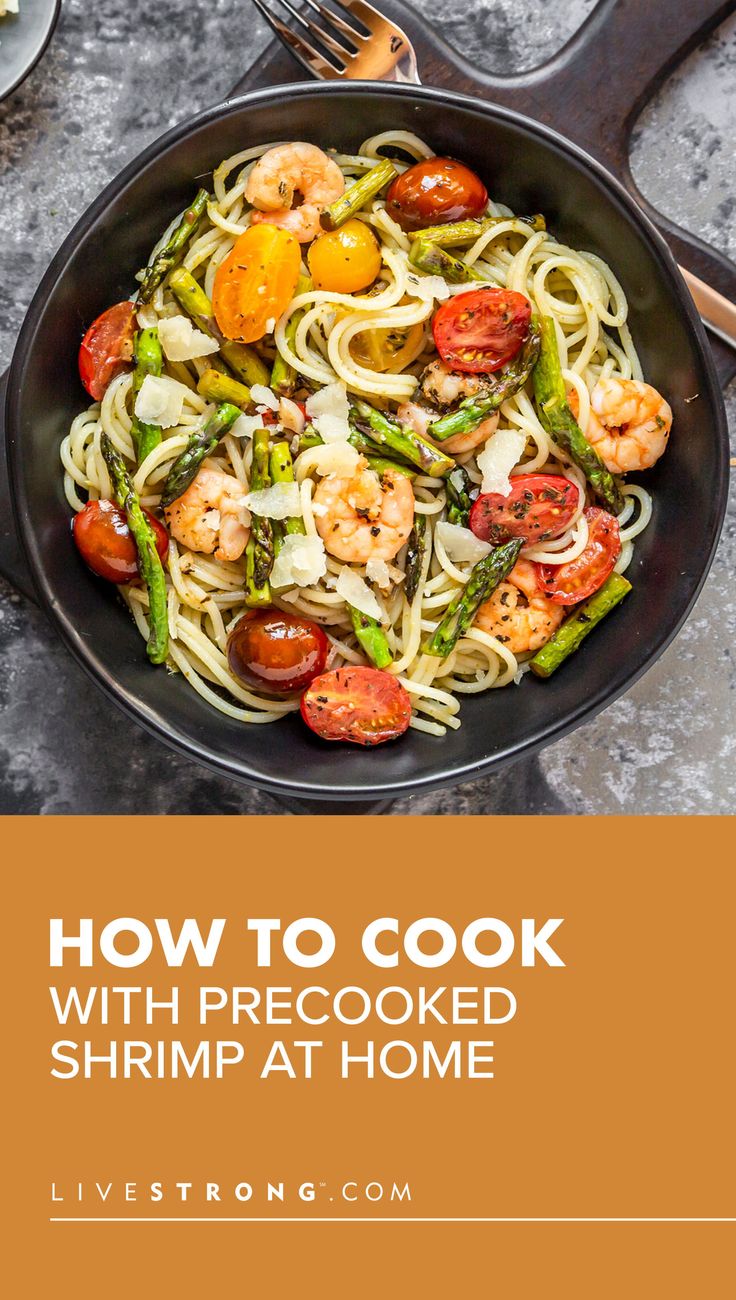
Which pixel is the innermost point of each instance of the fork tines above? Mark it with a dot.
(337, 40)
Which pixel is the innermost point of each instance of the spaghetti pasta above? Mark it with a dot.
(323, 337)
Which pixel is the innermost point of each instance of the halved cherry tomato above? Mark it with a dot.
(256, 281)
(361, 705)
(567, 584)
(107, 348)
(275, 651)
(538, 507)
(105, 544)
(346, 259)
(434, 192)
(387, 349)
(479, 331)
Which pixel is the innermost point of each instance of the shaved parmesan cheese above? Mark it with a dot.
(280, 501)
(246, 425)
(211, 518)
(146, 314)
(357, 593)
(460, 544)
(427, 287)
(300, 563)
(377, 571)
(160, 401)
(181, 342)
(264, 397)
(291, 415)
(502, 451)
(338, 458)
(329, 410)
(270, 324)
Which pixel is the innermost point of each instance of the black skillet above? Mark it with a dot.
(533, 168)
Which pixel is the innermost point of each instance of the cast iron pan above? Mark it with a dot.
(534, 168)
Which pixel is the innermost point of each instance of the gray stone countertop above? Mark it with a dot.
(117, 74)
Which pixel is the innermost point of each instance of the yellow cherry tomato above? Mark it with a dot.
(345, 260)
(390, 349)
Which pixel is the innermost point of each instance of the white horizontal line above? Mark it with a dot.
(344, 1218)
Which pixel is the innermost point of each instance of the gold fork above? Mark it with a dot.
(354, 41)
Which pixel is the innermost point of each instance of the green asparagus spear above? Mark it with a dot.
(216, 387)
(283, 376)
(569, 635)
(372, 637)
(309, 438)
(501, 385)
(358, 194)
(259, 551)
(373, 450)
(415, 552)
(282, 471)
(485, 576)
(560, 423)
(382, 465)
(466, 232)
(173, 250)
(400, 440)
(459, 501)
(186, 466)
(243, 361)
(148, 361)
(367, 447)
(149, 562)
(435, 261)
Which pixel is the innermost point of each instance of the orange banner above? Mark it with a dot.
(334, 1035)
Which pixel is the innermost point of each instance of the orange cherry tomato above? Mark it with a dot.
(345, 260)
(361, 705)
(434, 192)
(256, 281)
(567, 584)
(107, 348)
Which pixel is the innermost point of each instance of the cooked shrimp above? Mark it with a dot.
(518, 613)
(629, 424)
(292, 171)
(444, 388)
(419, 418)
(366, 517)
(210, 515)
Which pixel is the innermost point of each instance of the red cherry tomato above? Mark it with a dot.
(567, 584)
(275, 651)
(361, 705)
(434, 192)
(539, 506)
(105, 544)
(272, 417)
(107, 348)
(479, 331)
